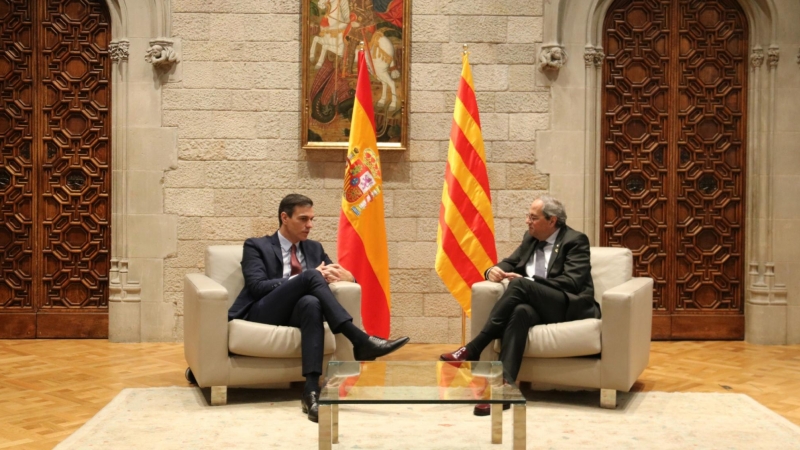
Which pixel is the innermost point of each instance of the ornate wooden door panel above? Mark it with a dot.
(17, 180)
(55, 129)
(674, 102)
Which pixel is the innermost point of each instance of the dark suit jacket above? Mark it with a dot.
(262, 267)
(569, 270)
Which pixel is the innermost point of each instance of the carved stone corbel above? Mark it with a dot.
(161, 54)
(119, 50)
(593, 56)
(757, 57)
(773, 56)
(598, 57)
(552, 58)
(588, 56)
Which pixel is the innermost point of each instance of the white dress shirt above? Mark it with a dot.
(548, 252)
(286, 252)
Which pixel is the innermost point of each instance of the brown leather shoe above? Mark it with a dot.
(484, 409)
(459, 355)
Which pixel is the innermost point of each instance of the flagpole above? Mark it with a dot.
(463, 328)
(464, 313)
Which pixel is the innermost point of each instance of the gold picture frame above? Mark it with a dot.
(331, 33)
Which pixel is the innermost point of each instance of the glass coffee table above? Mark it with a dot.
(418, 382)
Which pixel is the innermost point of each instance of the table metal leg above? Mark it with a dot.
(497, 423)
(325, 427)
(520, 432)
(335, 424)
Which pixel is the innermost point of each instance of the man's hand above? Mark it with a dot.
(497, 275)
(334, 273)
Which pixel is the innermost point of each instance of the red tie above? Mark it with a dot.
(295, 263)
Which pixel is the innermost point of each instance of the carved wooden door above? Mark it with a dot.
(55, 172)
(673, 159)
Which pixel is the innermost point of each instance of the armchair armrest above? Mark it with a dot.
(205, 329)
(349, 296)
(627, 322)
(484, 295)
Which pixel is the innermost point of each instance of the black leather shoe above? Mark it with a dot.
(459, 355)
(376, 347)
(310, 406)
(484, 409)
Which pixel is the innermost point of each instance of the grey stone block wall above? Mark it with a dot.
(237, 107)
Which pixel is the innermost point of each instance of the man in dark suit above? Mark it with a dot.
(550, 282)
(286, 278)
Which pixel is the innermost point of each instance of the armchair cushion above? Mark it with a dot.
(270, 341)
(611, 266)
(562, 340)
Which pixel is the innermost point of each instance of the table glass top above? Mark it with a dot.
(352, 382)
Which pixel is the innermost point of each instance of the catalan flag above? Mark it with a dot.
(465, 236)
(361, 243)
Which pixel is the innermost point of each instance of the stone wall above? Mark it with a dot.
(236, 110)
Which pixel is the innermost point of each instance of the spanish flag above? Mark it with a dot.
(465, 236)
(362, 247)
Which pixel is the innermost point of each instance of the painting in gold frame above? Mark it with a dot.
(331, 33)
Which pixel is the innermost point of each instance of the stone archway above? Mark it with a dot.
(765, 303)
(674, 158)
(142, 150)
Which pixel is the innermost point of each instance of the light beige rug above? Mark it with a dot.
(180, 418)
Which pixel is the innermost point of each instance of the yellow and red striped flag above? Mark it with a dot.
(361, 244)
(466, 227)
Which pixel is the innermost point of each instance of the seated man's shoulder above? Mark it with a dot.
(576, 237)
(575, 234)
(255, 240)
(309, 243)
(258, 242)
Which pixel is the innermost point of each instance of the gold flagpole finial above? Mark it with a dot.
(361, 46)
(466, 49)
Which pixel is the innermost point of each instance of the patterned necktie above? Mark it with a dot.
(539, 267)
(295, 263)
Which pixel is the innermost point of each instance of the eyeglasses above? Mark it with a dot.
(531, 217)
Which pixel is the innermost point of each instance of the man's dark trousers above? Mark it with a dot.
(524, 304)
(302, 302)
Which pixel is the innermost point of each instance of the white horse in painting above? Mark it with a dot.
(331, 31)
(380, 63)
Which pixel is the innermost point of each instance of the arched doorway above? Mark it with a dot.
(55, 172)
(673, 160)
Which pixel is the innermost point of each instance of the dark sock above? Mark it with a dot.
(352, 333)
(476, 346)
(472, 352)
(312, 383)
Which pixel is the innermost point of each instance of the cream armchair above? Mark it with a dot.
(607, 354)
(240, 353)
